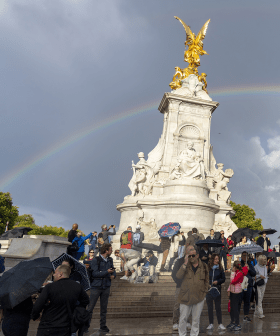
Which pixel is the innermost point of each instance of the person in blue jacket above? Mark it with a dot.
(81, 244)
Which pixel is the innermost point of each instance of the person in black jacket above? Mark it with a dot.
(247, 293)
(223, 250)
(216, 278)
(16, 320)
(176, 310)
(204, 254)
(71, 235)
(58, 300)
(264, 242)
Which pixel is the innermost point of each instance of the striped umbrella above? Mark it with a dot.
(79, 267)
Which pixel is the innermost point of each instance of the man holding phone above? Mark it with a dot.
(102, 272)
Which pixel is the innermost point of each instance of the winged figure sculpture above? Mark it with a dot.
(191, 55)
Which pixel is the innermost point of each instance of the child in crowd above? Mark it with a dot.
(234, 292)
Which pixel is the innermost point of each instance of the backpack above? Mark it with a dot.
(244, 284)
(136, 238)
(126, 238)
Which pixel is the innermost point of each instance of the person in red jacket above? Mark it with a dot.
(234, 293)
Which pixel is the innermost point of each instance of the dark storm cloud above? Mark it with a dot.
(69, 64)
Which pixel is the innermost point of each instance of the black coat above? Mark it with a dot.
(202, 253)
(55, 299)
(260, 242)
(177, 266)
(71, 235)
(251, 273)
(222, 248)
(219, 275)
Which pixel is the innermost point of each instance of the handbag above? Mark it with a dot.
(213, 291)
(260, 282)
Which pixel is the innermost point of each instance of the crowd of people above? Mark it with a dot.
(198, 271)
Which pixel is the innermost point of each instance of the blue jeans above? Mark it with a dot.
(95, 293)
(246, 297)
(77, 255)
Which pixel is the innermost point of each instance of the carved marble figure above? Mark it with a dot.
(190, 163)
(221, 179)
(143, 177)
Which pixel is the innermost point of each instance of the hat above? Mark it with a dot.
(138, 227)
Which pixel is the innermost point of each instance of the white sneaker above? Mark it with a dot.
(124, 278)
(189, 326)
(175, 326)
(211, 326)
(261, 316)
(221, 327)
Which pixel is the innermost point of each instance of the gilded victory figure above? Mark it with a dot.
(192, 56)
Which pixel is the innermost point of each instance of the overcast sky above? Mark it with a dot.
(69, 66)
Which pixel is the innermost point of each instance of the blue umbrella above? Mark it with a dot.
(169, 229)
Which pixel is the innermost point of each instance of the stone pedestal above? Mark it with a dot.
(31, 247)
(174, 183)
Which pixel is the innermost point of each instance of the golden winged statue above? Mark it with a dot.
(192, 56)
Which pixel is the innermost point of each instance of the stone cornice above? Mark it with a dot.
(168, 96)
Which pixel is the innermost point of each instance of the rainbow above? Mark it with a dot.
(19, 171)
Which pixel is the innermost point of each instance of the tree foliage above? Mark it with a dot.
(8, 212)
(245, 217)
(27, 220)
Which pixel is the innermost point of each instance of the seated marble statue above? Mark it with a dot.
(190, 162)
(191, 86)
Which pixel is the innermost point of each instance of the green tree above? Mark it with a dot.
(8, 212)
(245, 217)
(27, 220)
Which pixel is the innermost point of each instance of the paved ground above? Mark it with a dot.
(163, 327)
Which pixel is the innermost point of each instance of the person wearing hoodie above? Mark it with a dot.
(247, 292)
(138, 237)
(193, 238)
(234, 293)
(261, 281)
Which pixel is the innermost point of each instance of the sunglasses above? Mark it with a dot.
(192, 256)
(91, 252)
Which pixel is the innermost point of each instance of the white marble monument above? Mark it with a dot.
(179, 181)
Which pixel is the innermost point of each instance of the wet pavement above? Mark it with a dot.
(163, 327)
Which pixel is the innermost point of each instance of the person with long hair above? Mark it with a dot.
(234, 293)
(261, 281)
(216, 278)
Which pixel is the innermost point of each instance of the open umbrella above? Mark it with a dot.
(80, 268)
(210, 242)
(268, 231)
(249, 248)
(272, 254)
(23, 280)
(244, 232)
(169, 229)
(18, 232)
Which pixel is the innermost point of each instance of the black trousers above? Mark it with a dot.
(234, 311)
(223, 256)
(95, 293)
(245, 296)
(209, 301)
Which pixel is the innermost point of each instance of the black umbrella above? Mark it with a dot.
(244, 232)
(23, 280)
(149, 246)
(210, 242)
(18, 232)
(272, 254)
(268, 231)
(80, 268)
